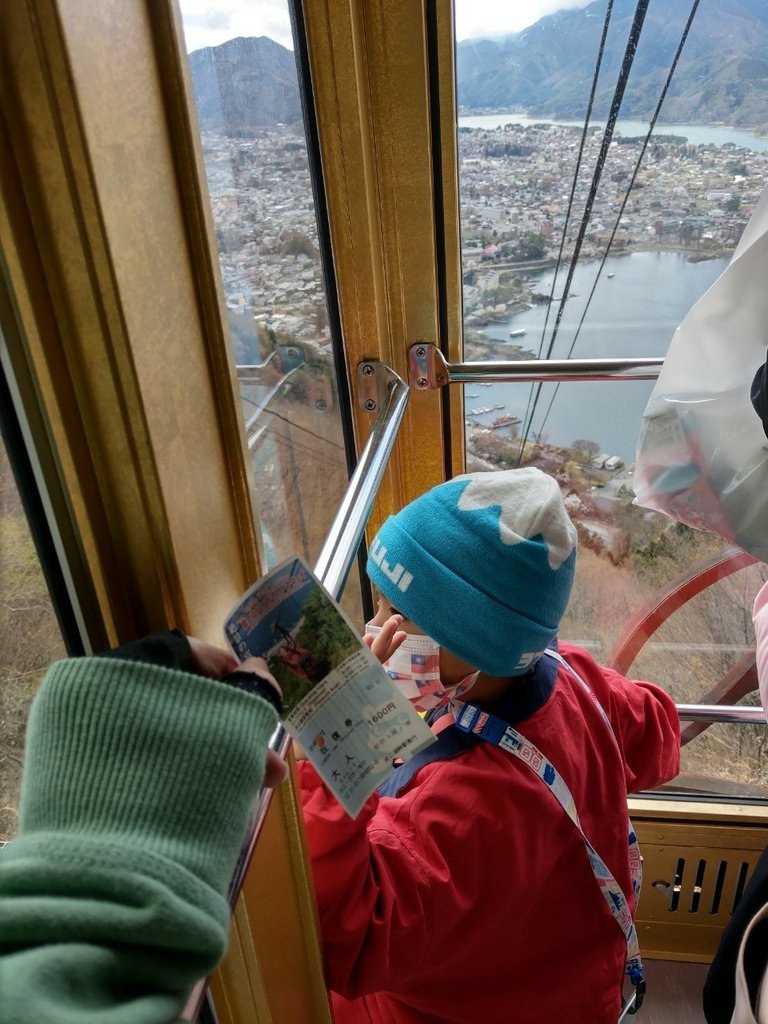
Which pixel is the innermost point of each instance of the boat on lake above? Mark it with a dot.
(519, 332)
(507, 420)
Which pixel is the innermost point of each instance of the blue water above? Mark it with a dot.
(696, 134)
(635, 313)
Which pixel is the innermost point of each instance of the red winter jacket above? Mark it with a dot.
(468, 898)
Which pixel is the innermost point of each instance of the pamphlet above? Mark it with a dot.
(340, 705)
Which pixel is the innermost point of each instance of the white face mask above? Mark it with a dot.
(415, 670)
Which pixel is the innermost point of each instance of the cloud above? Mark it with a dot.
(489, 18)
(211, 21)
(208, 24)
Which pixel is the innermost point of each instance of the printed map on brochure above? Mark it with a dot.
(340, 705)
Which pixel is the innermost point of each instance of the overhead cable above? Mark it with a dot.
(620, 214)
(626, 66)
(574, 179)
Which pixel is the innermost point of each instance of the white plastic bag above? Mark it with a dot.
(702, 456)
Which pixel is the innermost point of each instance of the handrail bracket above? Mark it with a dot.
(373, 383)
(427, 368)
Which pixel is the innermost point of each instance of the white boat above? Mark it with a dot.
(517, 333)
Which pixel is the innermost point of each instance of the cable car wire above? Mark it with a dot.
(584, 132)
(651, 126)
(621, 83)
(585, 129)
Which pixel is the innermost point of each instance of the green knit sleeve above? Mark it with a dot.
(137, 792)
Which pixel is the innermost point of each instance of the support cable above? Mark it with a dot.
(651, 126)
(626, 66)
(585, 129)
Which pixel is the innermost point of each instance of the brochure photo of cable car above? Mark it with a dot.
(317, 644)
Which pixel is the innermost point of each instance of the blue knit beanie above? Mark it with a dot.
(483, 565)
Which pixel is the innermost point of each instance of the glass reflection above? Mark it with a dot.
(257, 168)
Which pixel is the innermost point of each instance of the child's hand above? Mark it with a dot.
(385, 643)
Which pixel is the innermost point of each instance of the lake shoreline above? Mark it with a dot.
(752, 138)
(633, 313)
(480, 319)
(660, 127)
(523, 266)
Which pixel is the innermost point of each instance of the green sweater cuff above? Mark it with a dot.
(151, 758)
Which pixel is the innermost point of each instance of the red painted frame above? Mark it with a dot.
(736, 683)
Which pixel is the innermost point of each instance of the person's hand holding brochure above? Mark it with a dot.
(340, 705)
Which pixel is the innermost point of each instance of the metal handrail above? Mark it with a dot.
(338, 553)
(529, 370)
(734, 714)
(333, 565)
(332, 569)
(428, 368)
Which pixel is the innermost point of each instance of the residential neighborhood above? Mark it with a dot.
(515, 190)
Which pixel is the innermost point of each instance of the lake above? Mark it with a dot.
(633, 313)
(696, 134)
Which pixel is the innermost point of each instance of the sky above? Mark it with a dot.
(211, 22)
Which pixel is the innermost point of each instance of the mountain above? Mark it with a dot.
(244, 84)
(547, 69)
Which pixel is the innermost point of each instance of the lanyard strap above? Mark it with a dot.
(635, 860)
(473, 719)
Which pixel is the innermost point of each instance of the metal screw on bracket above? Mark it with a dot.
(367, 369)
(421, 352)
(421, 382)
(369, 404)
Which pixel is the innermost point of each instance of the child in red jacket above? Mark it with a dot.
(491, 879)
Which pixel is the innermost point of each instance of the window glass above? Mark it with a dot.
(662, 223)
(246, 91)
(29, 640)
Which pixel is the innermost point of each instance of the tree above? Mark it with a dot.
(296, 243)
(585, 450)
(324, 633)
(532, 246)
